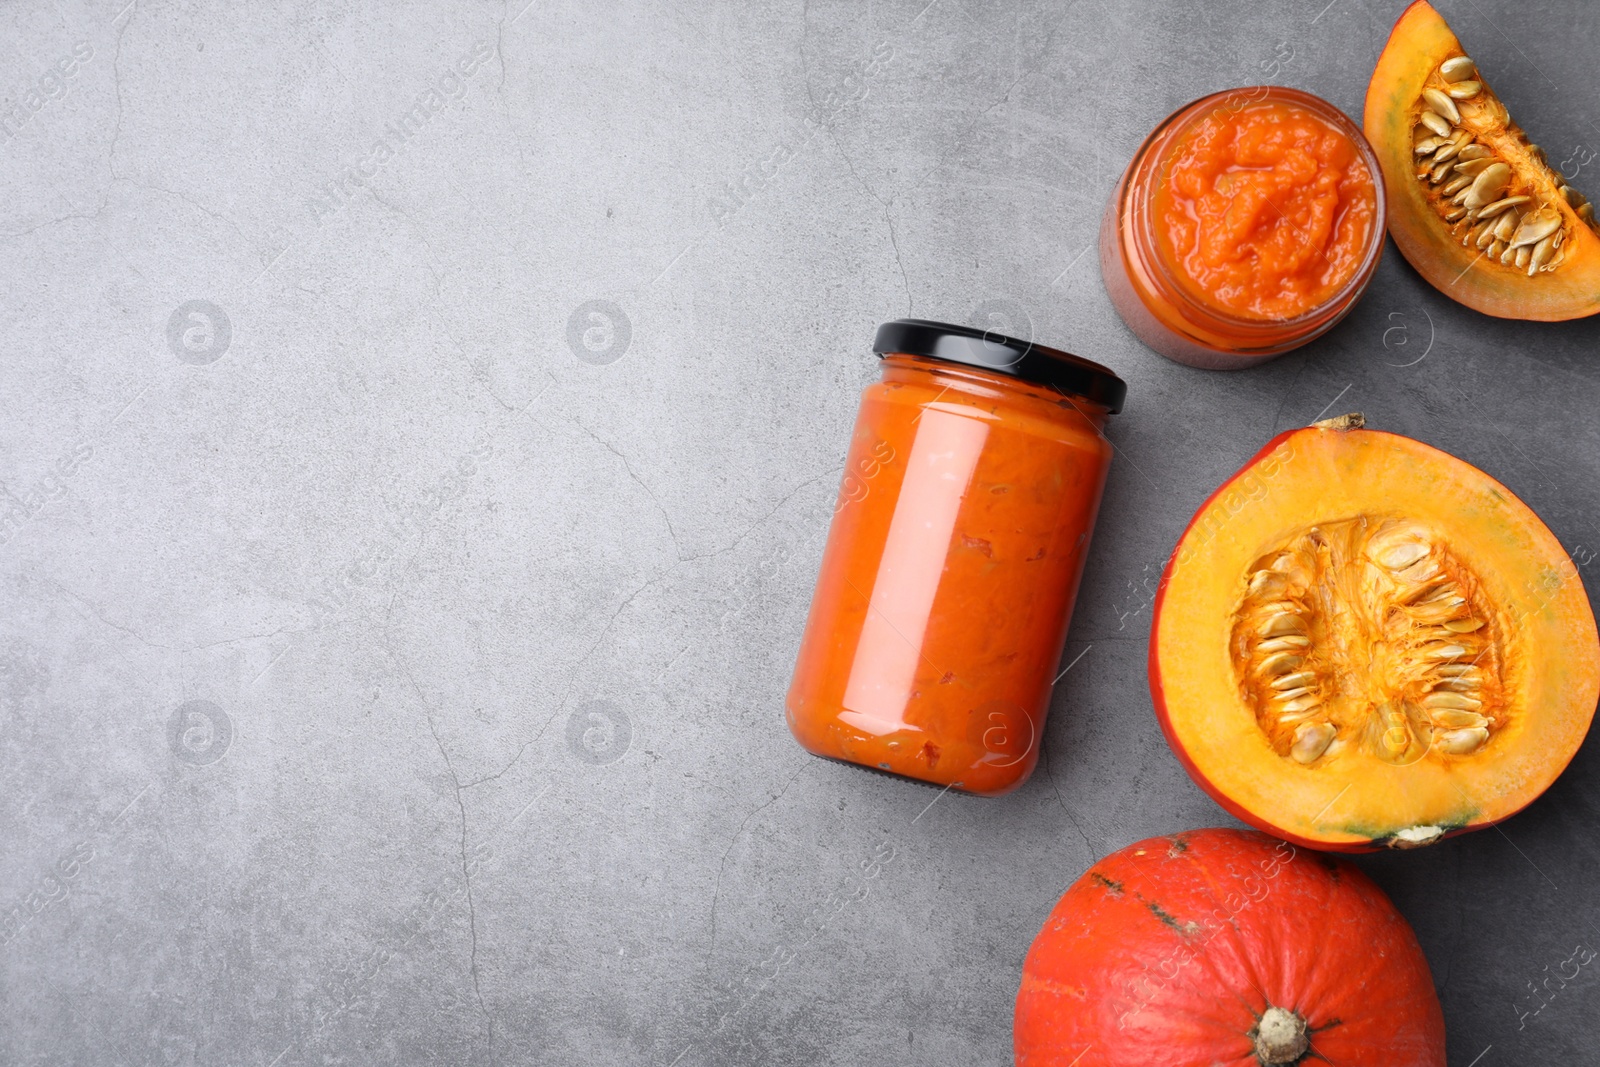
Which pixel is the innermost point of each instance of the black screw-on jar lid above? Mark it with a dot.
(1003, 355)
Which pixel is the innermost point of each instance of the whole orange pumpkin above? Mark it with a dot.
(1226, 948)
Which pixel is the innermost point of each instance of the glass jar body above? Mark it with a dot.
(949, 575)
(1144, 285)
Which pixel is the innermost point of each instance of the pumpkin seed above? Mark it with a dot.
(1311, 740)
(1586, 213)
(1452, 719)
(1536, 229)
(1457, 69)
(1419, 571)
(1461, 742)
(1439, 126)
(1455, 214)
(1399, 557)
(1287, 641)
(1444, 652)
(1270, 582)
(1442, 106)
(1488, 185)
(1475, 166)
(1524, 255)
(1541, 254)
(1463, 626)
(1295, 680)
(1457, 670)
(1474, 151)
(1572, 196)
(1505, 227)
(1451, 700)
(1300, 703)
(1487, 237)
(1465, 90)
(1431, 592)
(1501, 205)
(1454, 186)
(1283, 623)
(1279, 662)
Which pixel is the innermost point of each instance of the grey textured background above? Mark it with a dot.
(396, 674)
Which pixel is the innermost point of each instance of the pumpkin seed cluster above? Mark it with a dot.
(1509, 216)
(1368, 634)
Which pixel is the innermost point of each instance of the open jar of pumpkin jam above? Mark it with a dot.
(1248, 223)
(974, 475)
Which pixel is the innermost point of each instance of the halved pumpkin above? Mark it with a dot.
(1473, 205)
(1362, 641)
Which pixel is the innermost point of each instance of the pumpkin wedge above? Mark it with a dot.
(1362, 641)
(1225, 947)
(1474, 206)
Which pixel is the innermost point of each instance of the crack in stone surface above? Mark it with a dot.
(466, 876)
(722, 866)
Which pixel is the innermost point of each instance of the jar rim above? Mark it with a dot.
(1273, 332)
(994, 352)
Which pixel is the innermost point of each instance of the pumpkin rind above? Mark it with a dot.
(1420, 43)
(1356, 803)
(1172, 950)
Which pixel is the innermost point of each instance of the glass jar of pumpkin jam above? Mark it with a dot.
(1248, 223)
(974, 474)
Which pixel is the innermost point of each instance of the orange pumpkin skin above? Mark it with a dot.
(1172, 950)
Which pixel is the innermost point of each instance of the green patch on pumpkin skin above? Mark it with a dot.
(1161, 913)
(1114, 886)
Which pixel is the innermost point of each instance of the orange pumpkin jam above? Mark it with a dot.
(953, 560)
(1267, 210)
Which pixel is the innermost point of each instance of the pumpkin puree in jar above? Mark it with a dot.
(1267, 210)
(945, 589)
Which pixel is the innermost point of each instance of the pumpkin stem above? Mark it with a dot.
(1280, 1037)
(1353, 421)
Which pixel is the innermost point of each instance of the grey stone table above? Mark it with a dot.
(413, 425)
